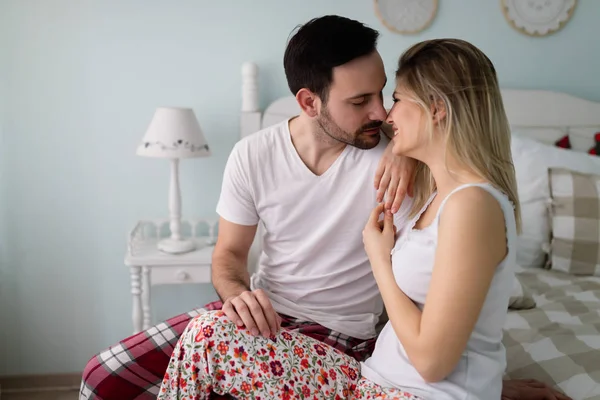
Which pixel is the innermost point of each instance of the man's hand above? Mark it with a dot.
(394, 175)
(530, 389)
(231, 280)
(254, 310)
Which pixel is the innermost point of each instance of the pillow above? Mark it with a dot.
(564, 142)
(575, 221)
(546, 135)
(584, 138)
(532, 160)
(520, 297)
(579, 139)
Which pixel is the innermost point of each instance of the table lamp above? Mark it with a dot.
(174, 133)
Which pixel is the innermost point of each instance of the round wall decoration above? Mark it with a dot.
(406, 16)
(538, 17)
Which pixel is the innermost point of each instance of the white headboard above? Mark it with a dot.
(543, 115)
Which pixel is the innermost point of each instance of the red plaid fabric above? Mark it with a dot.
(134, 368)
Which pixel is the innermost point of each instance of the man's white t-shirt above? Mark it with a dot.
(313, 265)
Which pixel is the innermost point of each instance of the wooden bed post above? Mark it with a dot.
(250, 120)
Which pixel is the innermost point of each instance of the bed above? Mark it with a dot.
(552, 332)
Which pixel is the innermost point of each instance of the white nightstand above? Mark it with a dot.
(150, 267)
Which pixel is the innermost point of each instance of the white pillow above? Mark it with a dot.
(532, 160)
(520, 296)
(546, 135)
(582, 138)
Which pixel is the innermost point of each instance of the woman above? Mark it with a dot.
(445, 278)
(446, 286)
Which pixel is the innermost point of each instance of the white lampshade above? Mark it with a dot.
(174, 133)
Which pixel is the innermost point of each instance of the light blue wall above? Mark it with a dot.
(5, 276)
(82, 80)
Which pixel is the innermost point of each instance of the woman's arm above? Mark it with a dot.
(471, 244)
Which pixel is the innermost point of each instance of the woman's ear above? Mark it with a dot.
(308, 102)
(438, 111)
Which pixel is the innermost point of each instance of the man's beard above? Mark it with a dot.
(357, 139)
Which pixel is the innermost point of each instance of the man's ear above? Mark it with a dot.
(308, 101)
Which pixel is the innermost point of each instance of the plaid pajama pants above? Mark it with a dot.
(134, 368)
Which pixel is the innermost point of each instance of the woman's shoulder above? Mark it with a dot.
(476, 207)
(478, 218)
(477, 197)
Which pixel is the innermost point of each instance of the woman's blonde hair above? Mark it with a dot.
(461, 77)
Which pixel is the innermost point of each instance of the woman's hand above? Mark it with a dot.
(379, 236)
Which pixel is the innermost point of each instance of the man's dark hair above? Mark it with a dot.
(321, 45)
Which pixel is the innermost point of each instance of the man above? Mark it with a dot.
(321, 195)
(308, 181)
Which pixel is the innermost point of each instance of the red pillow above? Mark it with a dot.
(596, 148)
(563, 142)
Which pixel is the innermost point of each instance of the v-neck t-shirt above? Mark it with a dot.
(313, 264)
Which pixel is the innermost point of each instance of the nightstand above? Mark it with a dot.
(150, 266)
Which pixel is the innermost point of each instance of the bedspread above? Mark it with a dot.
(558, 341)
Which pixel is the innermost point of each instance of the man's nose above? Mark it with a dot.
(379, 113)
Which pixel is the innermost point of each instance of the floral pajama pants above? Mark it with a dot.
(214, 355)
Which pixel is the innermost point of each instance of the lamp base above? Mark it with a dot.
(173, 246)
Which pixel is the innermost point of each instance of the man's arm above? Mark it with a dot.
(394, 175)
(231, 280)
(237, 227)
(230, 275)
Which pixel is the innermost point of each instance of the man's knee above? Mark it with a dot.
(92, 368)
(89, 367)
(206, 324)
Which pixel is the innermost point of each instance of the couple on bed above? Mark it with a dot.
(336, 251)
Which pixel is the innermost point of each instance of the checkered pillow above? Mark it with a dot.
(575, 222)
